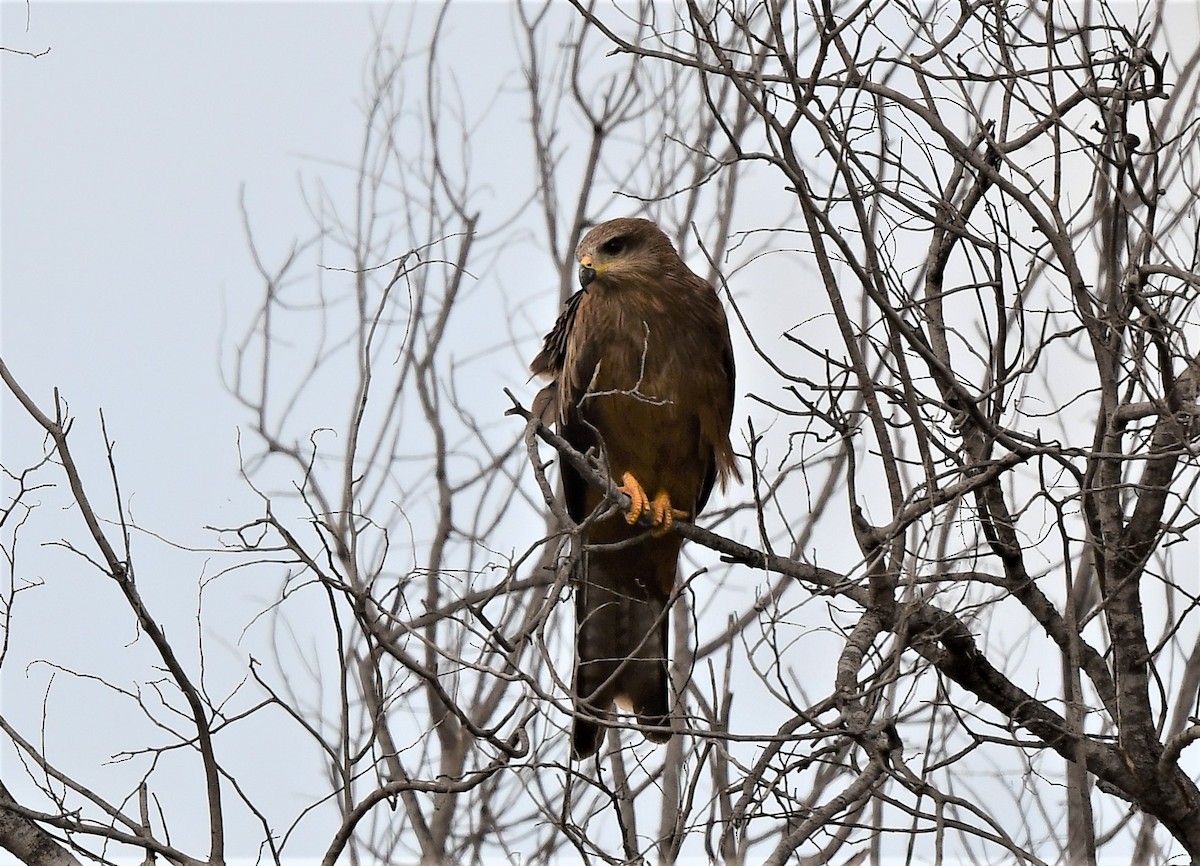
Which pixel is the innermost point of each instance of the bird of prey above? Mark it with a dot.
(642, 372)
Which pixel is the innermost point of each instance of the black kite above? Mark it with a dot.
(643, 371)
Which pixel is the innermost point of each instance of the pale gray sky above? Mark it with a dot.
(123, 150)
(123, 259)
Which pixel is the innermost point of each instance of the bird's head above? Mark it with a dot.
(624, 251)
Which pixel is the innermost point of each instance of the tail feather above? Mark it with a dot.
(621, 643)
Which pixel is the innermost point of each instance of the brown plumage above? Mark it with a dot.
(643, 370)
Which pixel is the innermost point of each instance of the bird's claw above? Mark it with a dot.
(663, 514)
(639, 502)
(660, 511)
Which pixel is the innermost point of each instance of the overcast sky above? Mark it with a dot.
(123, 152)
(123, 262)
(124, 149)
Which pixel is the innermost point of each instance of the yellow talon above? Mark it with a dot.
(662, 514)
(639, 501)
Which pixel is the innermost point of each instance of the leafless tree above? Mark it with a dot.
(951, 616)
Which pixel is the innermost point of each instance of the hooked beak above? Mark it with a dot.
(587, 273)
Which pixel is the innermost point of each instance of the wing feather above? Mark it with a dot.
(550, 361)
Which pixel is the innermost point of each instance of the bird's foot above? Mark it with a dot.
(660, 511)
(663, 514)
(639, 502)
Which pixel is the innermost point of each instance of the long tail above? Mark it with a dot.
(621, 643)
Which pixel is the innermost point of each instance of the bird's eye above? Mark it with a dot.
(613, 246)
